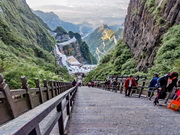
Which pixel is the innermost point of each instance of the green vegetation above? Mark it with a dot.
(168, 55)
(71, 34)
(84, 49)
(25, 46)
(103, 39)
(90, 59)
(150, 3)
(157, 11)
(60, 31)
(119, 61)
(167, 59)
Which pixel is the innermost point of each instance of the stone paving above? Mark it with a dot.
(100, 112)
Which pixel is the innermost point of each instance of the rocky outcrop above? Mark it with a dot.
(77, 48)
(73, 49)
(145, 24)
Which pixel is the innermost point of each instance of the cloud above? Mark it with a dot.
(78, 11)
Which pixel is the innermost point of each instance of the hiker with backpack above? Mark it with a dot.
(166, 84)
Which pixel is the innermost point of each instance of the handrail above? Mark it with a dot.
(141, 90)
(28, 123)
(18, 101)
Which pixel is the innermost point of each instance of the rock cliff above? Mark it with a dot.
(76, 47)
(73, 49)
(145, 24)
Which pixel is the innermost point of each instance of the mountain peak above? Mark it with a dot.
(54, 21)
(103, 27)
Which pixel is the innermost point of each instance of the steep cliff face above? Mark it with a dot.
(145, 25)
(73, 49)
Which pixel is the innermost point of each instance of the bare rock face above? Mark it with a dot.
(145, 24)
(73, 49)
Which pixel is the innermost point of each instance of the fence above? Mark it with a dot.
(140, 91)
(15, 102)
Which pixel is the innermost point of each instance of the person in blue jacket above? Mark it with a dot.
(73, 83)
(152, 84)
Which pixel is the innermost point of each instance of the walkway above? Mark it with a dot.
(99, 112)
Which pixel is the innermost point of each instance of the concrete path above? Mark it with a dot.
(100, 112)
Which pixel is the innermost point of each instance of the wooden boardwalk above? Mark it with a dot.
(100, 112)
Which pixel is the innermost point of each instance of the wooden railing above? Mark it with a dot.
(124, 77)
(140, 91)
(15, 102)
(42, 119)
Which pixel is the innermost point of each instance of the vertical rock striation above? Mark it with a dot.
(145, 24)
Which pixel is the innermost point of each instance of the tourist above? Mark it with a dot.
(152, 84)
(166, 84)
(128, 84)
(79, 84)
(92, 84)
(114, 84)
(74, 83)
(107, 83)
(177, 94)
(137, 78)
(89, 84)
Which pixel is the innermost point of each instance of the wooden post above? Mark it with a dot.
(25, 85)
(35, 131)
(68, 104)
(71, 99)
(6, 90)
(37, 82)
(47, 88)
(121, 90)
(52, 88)
(55, 88)
(58, 88)
(142, 88)
(61, 120)
(117, 87)
(74, 93)
(60, 85)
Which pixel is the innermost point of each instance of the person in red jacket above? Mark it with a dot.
(128, 84)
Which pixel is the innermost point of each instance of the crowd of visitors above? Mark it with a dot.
(162, 85)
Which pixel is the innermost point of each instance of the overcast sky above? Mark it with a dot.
(78, 11)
